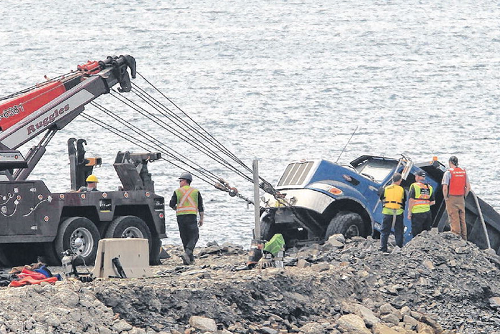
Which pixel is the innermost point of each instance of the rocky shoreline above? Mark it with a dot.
(437, 283)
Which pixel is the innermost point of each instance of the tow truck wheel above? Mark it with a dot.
(349, 224)
(79, 235)
(129, 227)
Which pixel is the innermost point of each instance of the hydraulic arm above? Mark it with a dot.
(50, 106)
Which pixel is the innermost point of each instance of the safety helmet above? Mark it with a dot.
(454, 160)
(92, 178)
(420, 173)
(186, 176)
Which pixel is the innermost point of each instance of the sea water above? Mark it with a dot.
(276, 81)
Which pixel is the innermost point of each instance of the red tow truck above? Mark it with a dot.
(36, 222)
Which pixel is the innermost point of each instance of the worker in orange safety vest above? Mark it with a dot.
(456, 187)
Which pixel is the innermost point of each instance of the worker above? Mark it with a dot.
(456, 187)
(187, 202)
(91, 184)
(393, 198)
(421, 197)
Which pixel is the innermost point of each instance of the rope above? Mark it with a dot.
(182, 127)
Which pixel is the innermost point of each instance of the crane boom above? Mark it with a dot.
(54, 104)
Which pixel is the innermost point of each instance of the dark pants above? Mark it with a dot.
(386, 231)
(421, 221)
(188, 229)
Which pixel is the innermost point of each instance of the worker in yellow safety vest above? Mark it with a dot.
(393, 197)
(421, 197)
(187, 202)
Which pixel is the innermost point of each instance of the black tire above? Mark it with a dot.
(81, 236)
(267, 230)
(130, 227)
(50, 256)
(349, 224)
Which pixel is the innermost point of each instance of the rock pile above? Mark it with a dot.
(437, 283)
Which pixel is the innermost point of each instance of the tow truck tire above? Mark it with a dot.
(130, 227)
(349, 224)
(81, 236)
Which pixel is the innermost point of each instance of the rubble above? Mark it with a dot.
(437, 283)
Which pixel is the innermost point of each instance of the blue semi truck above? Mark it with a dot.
(318, 198)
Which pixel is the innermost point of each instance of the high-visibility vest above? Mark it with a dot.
(423, 193)
(187, 201)
(393, 200)
(457, 181)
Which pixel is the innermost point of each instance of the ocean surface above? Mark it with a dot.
(276, 81)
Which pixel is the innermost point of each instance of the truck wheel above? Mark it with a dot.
(349, 224)
(130, 227)
(79, 235)
(267, 230)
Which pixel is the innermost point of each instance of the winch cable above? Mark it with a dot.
(265, 185)
(184, 135)
(201, 172)
(204, 133)
(189, 129)
(152, 141)
(135, 141)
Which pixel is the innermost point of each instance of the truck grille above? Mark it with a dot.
(295, 173)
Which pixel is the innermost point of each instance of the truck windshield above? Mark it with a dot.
(379, 169)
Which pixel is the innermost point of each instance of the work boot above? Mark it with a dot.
(190, 255)
(185, 259)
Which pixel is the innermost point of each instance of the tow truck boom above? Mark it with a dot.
(66, 97)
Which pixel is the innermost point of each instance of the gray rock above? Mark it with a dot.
(351, 323)
(494, 302)
(302, 263)
(202, 323)
(267, 330)
(367, 315)
(122, 325)
(390, 318)
(386, 309)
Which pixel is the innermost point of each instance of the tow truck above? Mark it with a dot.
(319, 198)
(36, 222)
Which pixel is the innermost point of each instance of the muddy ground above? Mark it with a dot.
(437, 283)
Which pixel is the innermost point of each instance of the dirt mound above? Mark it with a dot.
(437, 283)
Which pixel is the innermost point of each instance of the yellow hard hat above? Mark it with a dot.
(92, 178)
